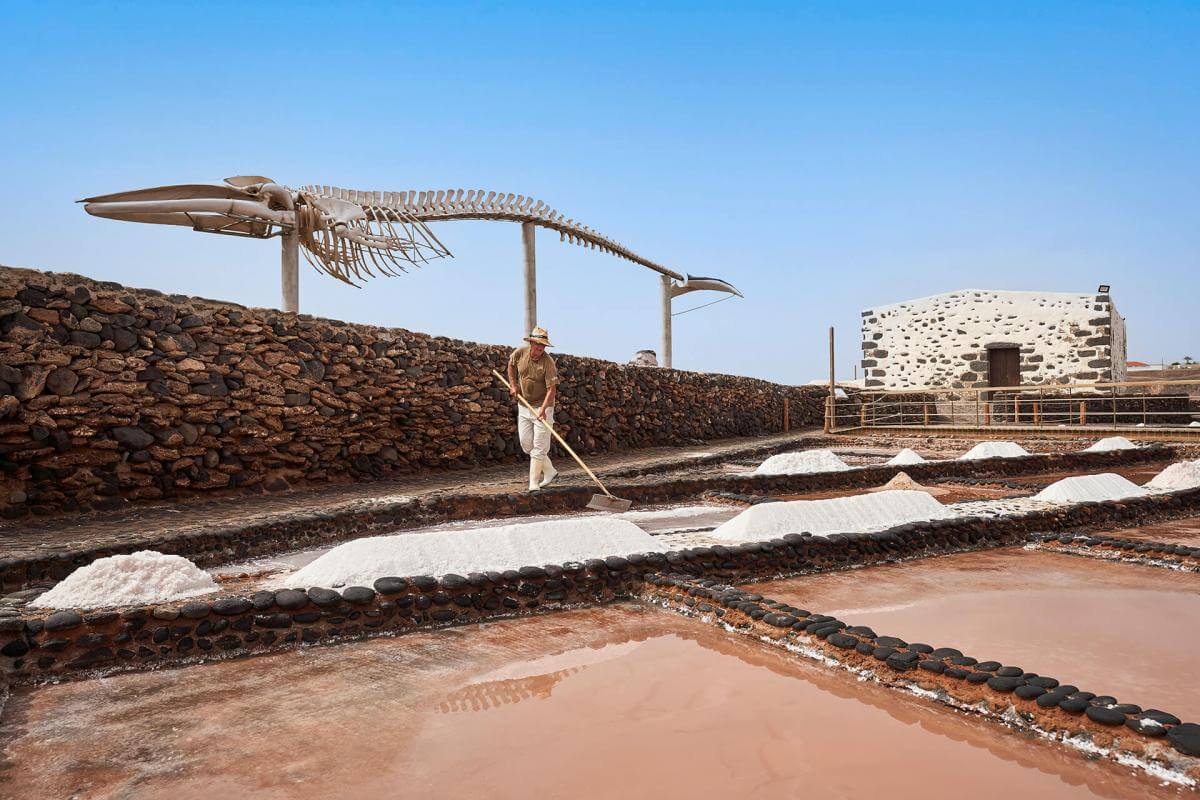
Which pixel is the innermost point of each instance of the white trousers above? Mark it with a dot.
(535, 439)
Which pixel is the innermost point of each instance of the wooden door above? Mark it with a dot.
(1004, 369)
(1004, 366)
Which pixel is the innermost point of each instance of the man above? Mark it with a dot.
(531, 372)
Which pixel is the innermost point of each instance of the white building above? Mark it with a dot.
(980, 337)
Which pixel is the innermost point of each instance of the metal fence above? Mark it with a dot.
(1158, 404)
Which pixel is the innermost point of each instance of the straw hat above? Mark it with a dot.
(539, 336)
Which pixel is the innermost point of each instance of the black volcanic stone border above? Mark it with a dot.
(312, 529)
(80, 643)
(1042, 703)
(1169, 555)
(44, 645)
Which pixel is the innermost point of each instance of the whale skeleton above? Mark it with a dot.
(353, 235)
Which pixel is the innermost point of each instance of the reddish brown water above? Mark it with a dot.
(1119, 629)
(1179, 531)
(621, 702)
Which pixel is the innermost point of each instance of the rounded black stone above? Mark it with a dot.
(161, 634)
(1005, 683)
(988, 666)
(291, 599)
(390, 585)
(963, 661)
(889, 641)
(1074, 705)
(452, 581)
(195, 610)
(1010, 672)
(264, 599)
(444, 614)
(957, 672)
(978, 677)
(882, 653)
(842, 640)
(1029, 691)
(1147, 727)
(427, 583)
(15, 648)
(324, 597)
(865, 648)
(1160, 716)
(616, 562)
(931, 665)
(62, 620)
(229, 606)
(1105, 716)
(946, 652)
(532, 573)
(1044, 682)
(1185, 738)
(918, 647)
(358, 594)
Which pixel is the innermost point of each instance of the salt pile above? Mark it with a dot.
(905, 457)
(1181, 475)
(803, 462)
(864, 512)
(142, 577)
(994, 450)
(473, 550)
(1085, 488)
(1111, 443)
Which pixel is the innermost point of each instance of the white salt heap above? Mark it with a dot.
(1181, 475)
(1111, 443)
(1085, 488)
(994, 450)
(142, 577)
(905, 457)
(863, 512)
(473, 550)
(803, 462)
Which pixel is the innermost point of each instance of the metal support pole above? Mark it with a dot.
(289, 271)
(830, 422)
(527, 239)
(666, 321)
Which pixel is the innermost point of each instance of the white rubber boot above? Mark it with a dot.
(535, 474)
(549, 473)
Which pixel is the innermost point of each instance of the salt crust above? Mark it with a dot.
(854, 514)
(1111, 443)
(1088, 488)
(805, 461)
(994, 450)
(142, 577)
(361, 561)
(1180, 475)
(905, 457)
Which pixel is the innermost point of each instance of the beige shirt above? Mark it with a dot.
(534, 376)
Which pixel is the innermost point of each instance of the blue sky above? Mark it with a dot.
(823, 157)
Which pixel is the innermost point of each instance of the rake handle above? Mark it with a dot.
(554, 433)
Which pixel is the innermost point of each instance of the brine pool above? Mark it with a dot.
(612, 702)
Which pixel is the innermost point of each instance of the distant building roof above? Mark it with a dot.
(1136, 364)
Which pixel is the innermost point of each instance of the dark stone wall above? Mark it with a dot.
(110, 394)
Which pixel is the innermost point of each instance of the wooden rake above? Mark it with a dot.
(600, 502)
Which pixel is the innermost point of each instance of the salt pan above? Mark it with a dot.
(905, 457)
(994, 450)
(1111, 443)
(1086, 488)
(1180, 475)
(142, 577)
(865, 512)
(802, 462)
(473, 550)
